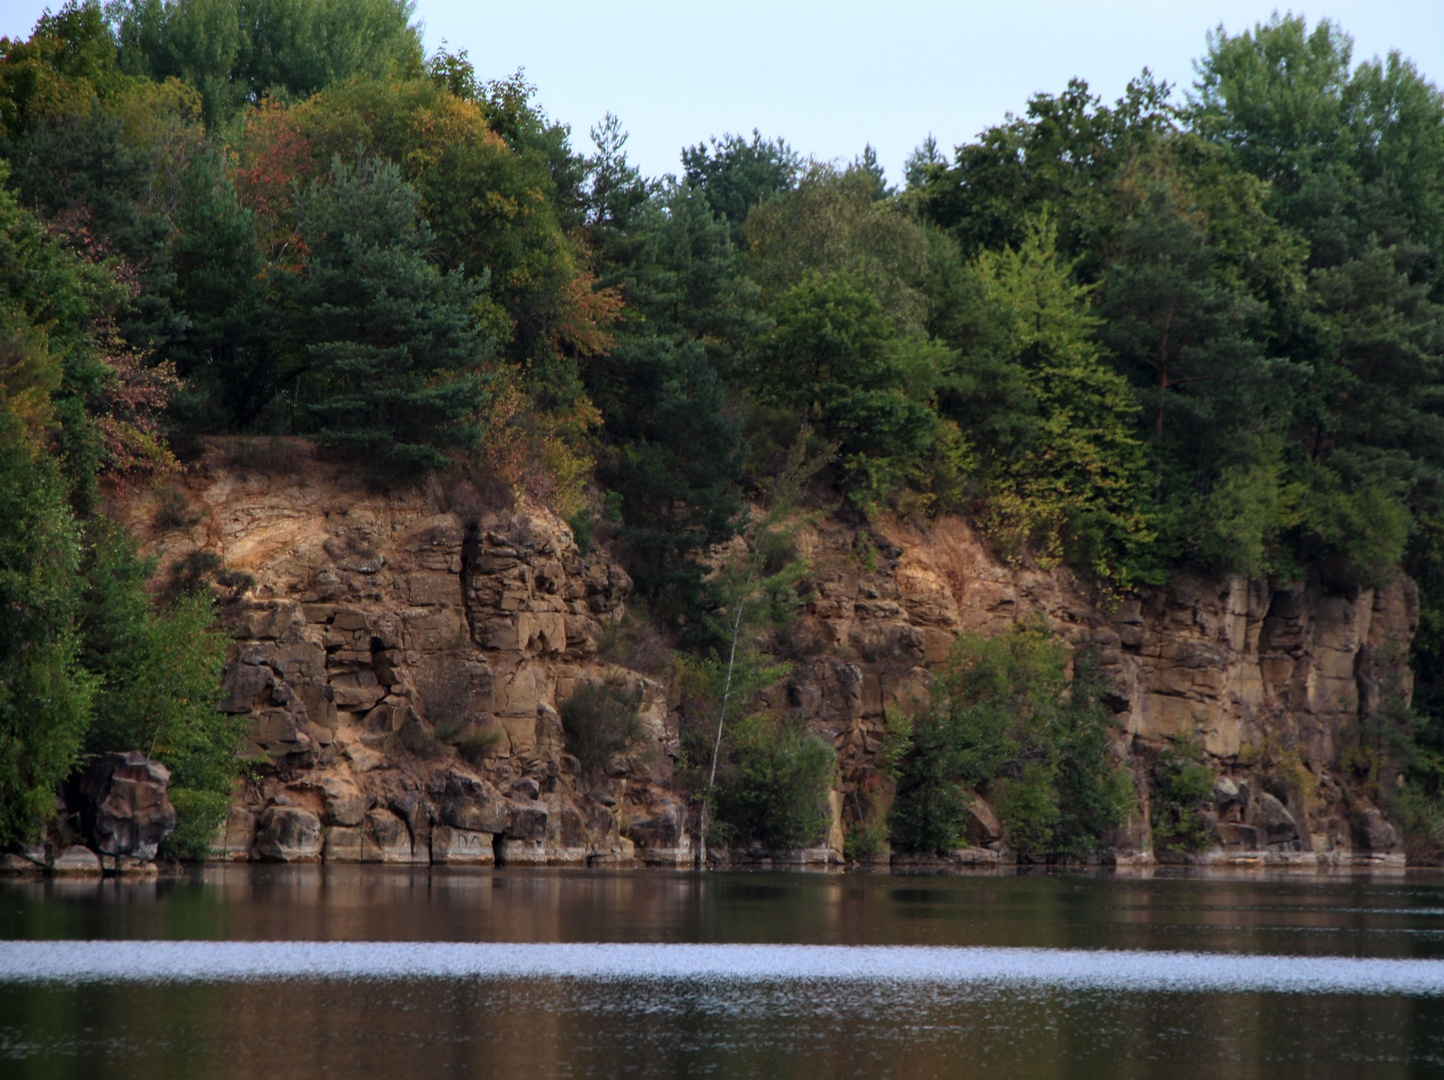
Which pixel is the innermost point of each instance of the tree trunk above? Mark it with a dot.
(721, 719)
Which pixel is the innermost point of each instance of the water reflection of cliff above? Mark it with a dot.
(1385, 915)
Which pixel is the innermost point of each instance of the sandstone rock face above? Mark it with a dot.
(76, 861)
(125, 808)
(385, 838)
(1257, 674)
(402, 657)
(288, 834)
(343, 845)
(401, 664)
(983, 826)
(462, 847)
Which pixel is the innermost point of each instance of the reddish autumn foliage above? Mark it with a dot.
(275, 155)
(129, 408)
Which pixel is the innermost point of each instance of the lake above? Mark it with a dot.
(371, 972)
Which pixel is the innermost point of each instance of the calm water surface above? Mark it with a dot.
(272, 972)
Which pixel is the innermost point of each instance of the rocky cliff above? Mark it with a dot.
(402, 657)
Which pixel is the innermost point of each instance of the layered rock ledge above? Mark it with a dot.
(402, 655)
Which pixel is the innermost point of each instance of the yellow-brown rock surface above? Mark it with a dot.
(402, 656)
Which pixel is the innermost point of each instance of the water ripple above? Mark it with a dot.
(248, 961)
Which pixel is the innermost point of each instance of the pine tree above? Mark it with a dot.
(676, 455)
(736, 175)
(394, 355)
(225, 354)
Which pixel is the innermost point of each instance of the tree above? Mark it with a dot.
(1179, 328)
(617, 188)
(677, 486)
(1007, 718)
(737, 175)
(77, 173)
(769, 783)
(1275, 94)
(44, 692)
(225, 355)
(157, 673)
(511, 113)
(1354, 158)
(393, 355)
(834, 223)
(835, 360)
(1076, 489)
(67, 65)
(674, 452)
(490, 210)
(237, 51)
(1057, 158)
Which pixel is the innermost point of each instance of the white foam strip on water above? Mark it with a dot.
(231, 961)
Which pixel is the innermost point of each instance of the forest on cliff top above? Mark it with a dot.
(1198, 328)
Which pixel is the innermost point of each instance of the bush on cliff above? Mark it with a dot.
(600, 720)
(1183, 784)
(1008, 716)
(772, 785)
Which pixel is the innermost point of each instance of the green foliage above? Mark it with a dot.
(1028, 806)
(1420, 816)
(1241, 520)
(677, 489)
(1332, 142)
(1183, 782)
(491, 207)
(1006, 715)
(865, 839)
(395, 356)
(87, 662)
(772, 789)
(674, 455)
(758, 586)
(529, 132)
(832, 223)
(1053, 156)
(1131, 338)
(199, 814)
(78, 172)
(735, 175)
(1077, 488)
(834, 360)
(600, 720)
(158, 680)
(236, 51)
(1177, 325)
(226, 354)
(44, 692)
(68, 63)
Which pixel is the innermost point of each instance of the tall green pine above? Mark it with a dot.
(393, 353)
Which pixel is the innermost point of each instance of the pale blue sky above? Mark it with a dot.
(830, 77)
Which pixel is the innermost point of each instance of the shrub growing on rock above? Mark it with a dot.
(600, 720)
(1007, 715)
(1183, 784)
(772, 788)
(159, 673)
